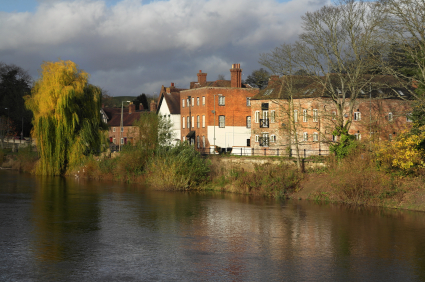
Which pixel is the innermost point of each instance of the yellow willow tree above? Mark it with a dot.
(67, 121)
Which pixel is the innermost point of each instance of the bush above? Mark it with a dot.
(356, 179)
(177, 168)
(405, 152)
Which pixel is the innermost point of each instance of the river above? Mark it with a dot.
(65, 229)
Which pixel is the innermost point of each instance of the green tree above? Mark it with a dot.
(141, 99)
(15, 84)
(67, 121)
(258, 78)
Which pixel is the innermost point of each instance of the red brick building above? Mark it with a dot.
(112, 116)
(379, 114)
(219, 109)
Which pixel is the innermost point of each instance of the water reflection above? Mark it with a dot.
(66, 229)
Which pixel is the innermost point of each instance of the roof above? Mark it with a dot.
(310, 87)
(217, 83)
(114, 116)
(172, 98)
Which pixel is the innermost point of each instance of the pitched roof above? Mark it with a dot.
(309, 87)
(114, 116)
(172, 100)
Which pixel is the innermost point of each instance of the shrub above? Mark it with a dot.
(177, 168)
(405, 152)
(356, 179)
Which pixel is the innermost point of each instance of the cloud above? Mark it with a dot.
(133, 46)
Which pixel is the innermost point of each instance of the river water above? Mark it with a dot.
(57, 229)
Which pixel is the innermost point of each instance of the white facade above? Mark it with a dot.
(164, 112)
(229, 136)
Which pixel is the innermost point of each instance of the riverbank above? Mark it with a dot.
(354, 181)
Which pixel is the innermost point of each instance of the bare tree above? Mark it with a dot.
(338, 47)
(404, 28)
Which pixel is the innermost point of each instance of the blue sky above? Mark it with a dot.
(131, 46)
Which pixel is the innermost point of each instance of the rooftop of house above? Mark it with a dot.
(312, 87)
(129, 117)
(171, 96)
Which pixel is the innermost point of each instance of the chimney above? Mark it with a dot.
(236, 76)
(140, 107)
(172, 84)
(202, 78)
(153, 106)
(131, 108)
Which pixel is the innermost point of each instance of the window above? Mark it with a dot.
(409, 117)
(304, 115)
(315, 115)
(221, 100)
(357, 116)
(305, 136)
(203, 121)
(248, 102)
(221, 121)
(203, 141)
(256, 138)
(390, 116)
(114, 141)
(193, 101)
(203, 100)
(188, 102)
(264, 141)
(197, 101)
(122, 140)
(264, 123)
(113, 129)
(184, 138)
(390, 137)
(272, 116)
(334, 115)
(295, 116)
(248, 122)
(265, 106)
(358, 136)
(257, 117)
(122, 129)
(315, 136)
(198, 122)
(182, 103)
(183, 122)
(273, 138)
(188, 122)
(198, 142)
(334, 138)
(193, 122)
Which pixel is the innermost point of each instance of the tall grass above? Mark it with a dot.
(177, 168)
(272, 180)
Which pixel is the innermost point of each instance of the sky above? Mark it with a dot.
(131, 47)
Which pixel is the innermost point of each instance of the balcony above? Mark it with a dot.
(264, 141)
(264, 123)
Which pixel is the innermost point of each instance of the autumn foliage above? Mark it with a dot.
(67, 122)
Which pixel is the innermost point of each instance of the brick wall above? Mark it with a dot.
(235, 108)
(374, 117)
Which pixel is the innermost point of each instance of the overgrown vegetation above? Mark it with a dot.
(67, 122)
(269, 179)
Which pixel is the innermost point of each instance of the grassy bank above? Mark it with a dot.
(24, 160)
(356, 179)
